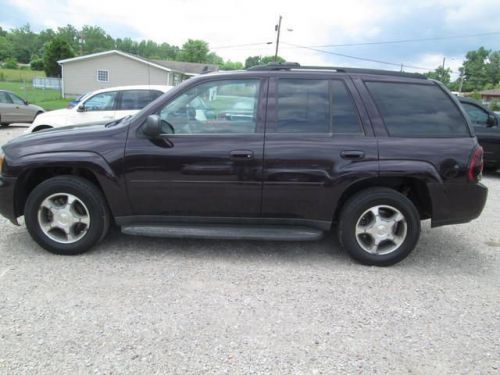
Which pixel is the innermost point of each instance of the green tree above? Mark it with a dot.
(6, 48)
(24, 43)
(71, 35)
(36, 63)
(475, 69)
(259, 60)
(10, 63)
(194, 51)
(252, 61)
(56, 50)
(270, 59)
(231, 65)
(440, 74)
(95, 39)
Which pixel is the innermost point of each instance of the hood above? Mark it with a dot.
(90, 138)
(59, 116)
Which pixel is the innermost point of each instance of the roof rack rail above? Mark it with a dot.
(292, 65)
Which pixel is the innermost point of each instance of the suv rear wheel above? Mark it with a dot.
(66, 215)
(379, 226)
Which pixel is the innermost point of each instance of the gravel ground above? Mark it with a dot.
(141, 305)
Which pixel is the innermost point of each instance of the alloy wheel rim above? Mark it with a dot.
(64, 218)
(381, 230)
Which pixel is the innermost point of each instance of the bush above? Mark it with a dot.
(36, 64)
(475, 95)
(10, 63)
(495, 105)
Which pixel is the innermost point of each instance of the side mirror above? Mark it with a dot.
(152, 127)
(81, 108)
(26, 102)
(492, 121)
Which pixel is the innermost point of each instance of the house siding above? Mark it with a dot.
(81, 76)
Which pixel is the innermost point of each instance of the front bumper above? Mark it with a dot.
(456, 203)
(7, 203)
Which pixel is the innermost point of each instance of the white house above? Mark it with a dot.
(116, 68)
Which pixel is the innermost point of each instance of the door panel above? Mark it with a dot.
(21, 111)
(201, 170)
(305, 173)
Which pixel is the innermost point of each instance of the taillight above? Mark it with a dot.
(476, 164)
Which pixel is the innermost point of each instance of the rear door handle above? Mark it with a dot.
(352, 154)
(241, 155)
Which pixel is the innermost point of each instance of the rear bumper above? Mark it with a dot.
(456, 203)
(7, 209)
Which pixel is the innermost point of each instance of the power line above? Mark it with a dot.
(241, 45)
(409, 40)
(359, 58)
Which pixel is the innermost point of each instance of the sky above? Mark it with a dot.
(238, 29)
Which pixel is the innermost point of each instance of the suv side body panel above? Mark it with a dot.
(454, 199)
(304, 173)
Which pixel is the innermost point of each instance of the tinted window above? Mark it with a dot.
(218, 107)
(104, 101)
(345, 118)
(16, 99)
(476, 114)
(137, 99)
(413, 110)
(5, 98)
(303, 106)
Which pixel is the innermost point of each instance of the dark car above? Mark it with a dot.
(487, 129)
(366, 153)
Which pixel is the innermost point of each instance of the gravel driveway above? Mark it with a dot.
(142, 305)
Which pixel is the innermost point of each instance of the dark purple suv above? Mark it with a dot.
(367, 153)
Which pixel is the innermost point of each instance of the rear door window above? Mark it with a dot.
(417, 110)
(315, 106)
(137, 99)
(5, 98)
(303, 106)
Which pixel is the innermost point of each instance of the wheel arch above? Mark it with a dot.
(414, 188)
(87, 165)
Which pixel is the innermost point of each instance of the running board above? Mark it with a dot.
(225, 232)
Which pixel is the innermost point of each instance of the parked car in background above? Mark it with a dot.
(366, 153)
(487, 129)
(15, 109)
(101, 107)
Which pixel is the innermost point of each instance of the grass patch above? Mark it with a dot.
(45, 98)
(20, 75)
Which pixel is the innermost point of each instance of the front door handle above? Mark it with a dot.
(241, 155)
(352, 154)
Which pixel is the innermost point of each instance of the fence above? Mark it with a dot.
(47, 83)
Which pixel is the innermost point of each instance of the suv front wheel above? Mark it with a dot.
(66, 215)
(379, 226)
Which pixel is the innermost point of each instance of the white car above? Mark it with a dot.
(100, 107)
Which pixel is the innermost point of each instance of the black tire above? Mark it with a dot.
(85, 191)
(357, 205)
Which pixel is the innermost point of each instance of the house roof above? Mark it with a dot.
(169, 66)
(187, 67)
(493, 92)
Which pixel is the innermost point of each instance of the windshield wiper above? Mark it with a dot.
(116, 122)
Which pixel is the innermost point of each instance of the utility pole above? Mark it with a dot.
(278, 29)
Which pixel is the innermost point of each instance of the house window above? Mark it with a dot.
(103, 76)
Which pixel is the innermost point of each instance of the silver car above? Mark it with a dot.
(15, 109)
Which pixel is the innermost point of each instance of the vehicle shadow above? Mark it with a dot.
(439, 250)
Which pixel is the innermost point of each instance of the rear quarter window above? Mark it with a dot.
(417, 110)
